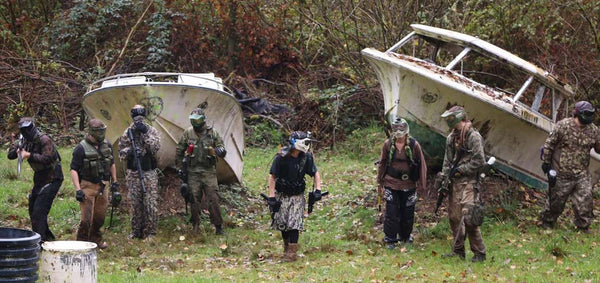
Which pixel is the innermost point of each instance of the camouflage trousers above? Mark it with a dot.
(144, 206)
(580, 191)
(291, 213)
(460, 200)
(205, 184)
(93, 212)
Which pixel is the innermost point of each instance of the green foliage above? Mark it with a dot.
(89, 29)
(261, 132)
(158, 39)
(341, 239)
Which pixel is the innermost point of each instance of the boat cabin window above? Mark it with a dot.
(512, 82)
(430, 50)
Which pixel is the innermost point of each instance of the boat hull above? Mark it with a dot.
(512, 133)
(113, 104)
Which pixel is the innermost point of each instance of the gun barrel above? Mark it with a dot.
(265, 197)
(137, 160)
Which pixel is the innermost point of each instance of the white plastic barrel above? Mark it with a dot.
(68, 261)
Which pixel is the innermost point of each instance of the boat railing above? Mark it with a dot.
(207, 80)
(538, 90)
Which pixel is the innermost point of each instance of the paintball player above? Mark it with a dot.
(567, 150)
(463, 158)
(41, 154)
(286, 190)
(401, 170)
(201, 146)
(138, 147)
(92, 167)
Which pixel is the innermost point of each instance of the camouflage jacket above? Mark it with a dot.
(568, 147)
(472, 157)
(148, 143)
(202, 157)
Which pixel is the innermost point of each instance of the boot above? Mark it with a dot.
(291, 253)
(285, 245)
(478, 258)
(219, 230)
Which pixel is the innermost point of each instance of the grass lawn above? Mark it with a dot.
(342, 242)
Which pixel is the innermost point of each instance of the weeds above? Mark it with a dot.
(341, 242)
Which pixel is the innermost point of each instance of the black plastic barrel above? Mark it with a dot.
(19, 255)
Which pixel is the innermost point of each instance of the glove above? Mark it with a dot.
(220, 151)
(140, 126)
(114, 187)
(79, 196)
(317, 195)
(546, 167)
(454, 173)
(274, 204)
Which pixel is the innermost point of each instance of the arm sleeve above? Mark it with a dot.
(448, 156)
(475, 145)
(551, 142)
(46, 157)
(311, 169)
(77, 160)
(180, 150)
(422, 184)
(383, 160)
(124, 146)
(152, 140)
(275, 166)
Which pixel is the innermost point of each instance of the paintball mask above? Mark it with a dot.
(97, 129)
(27, 128)
(584, 111)
(400, 128)
(301, 140)
(138, 110)
(454, 115)
(197, 118)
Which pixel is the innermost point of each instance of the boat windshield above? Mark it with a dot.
(498, 78)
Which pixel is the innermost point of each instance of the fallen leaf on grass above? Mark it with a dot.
(407, 264)
(349, 252)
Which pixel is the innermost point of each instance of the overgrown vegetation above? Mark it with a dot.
(301, 53)
(342, 241)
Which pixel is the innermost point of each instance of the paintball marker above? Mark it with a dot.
(136, 157)
(183, 174)
(312, 199)
(19, 154)
(442, 192)
(115, 200)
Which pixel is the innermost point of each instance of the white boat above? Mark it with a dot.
(432, 69)
(170, 97)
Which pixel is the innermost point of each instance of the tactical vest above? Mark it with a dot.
(36, 147)
(200, 156)
(96, 161)
(414, 166)
(293, 188)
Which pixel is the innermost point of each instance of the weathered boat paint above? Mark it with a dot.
(171, 96)
(514, 130)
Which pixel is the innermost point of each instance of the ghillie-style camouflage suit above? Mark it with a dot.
(567, 149)
(144, 206)
(462, 195)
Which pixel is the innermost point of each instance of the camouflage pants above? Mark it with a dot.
(291, 213)
(580, 190)
(205, 184)
(144, 206)
(93, 212)
(460, 200)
